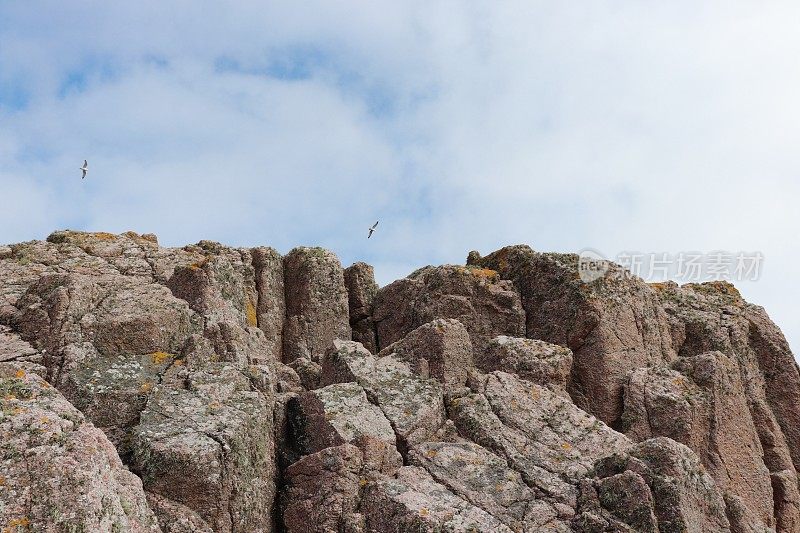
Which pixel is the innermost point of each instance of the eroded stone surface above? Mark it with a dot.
(440, 349)
(540, 362)
(57, 471)
(413, 405)
(612, 324)
(413, 501)
(316, 303)
(486, 305)
(175, 354)
(700, 402)
(209, 446)
(359, 278)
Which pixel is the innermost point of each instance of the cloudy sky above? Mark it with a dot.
(619, 126)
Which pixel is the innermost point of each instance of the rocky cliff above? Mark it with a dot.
(210, 388)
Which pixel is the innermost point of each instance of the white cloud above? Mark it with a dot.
(617, 126)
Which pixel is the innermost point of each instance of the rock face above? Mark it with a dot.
(58, 471)
(361, 291)
(316, 303)
(217, 389)
(486, 305)
(612, 324)
(440, 349)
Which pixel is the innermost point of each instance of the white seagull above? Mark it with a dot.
(372, 229)
(84, 168)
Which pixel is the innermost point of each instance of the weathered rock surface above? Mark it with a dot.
(507, 395)
(414, 501)
(322, 491)
(714, 317)
(612, 325)
(539, 362)
(359, 278)
(440, 349)
(486, 305)
(683, 495)
(413, 405)
(208, 446)
(317, 310)
(341, 414)
(57, 471)
(700, 402)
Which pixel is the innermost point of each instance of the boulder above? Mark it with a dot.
(539, 433)
(209, 447)
(440, 349)
(316, 303)
(414, 406)
(322, 491)
(483, 479)
(486, 305)
(414, 501)
(359, 278)
(539, 362)
(341, 414)
(684, 497)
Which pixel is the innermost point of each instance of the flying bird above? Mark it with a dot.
(372, 229)
(84, 168)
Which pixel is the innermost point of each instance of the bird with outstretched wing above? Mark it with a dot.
(372, 229)
(84, 168)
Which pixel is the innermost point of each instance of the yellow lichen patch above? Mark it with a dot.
(19, 374)
(178, 362)
(16, 524)
(535, 394)
(722, 287)
(680, 382)
(485, 273)
(44, 420)
(363, 482)
(659, 286)
(566, 445)
(2, 481)
(431, 454)
(199, 264)
(498, 487)
(214, 405)
(146, 387)
(424, 511)
(250, 312)
(159, 358)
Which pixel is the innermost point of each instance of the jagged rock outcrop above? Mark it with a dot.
(714, 317)
(486, 305)
(700, 402)
(317, 309)
(217, 389)
(359, 278)
(612, 324)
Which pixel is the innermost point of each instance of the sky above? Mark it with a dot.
(624, 126)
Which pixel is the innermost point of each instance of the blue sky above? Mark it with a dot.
(460, 125)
